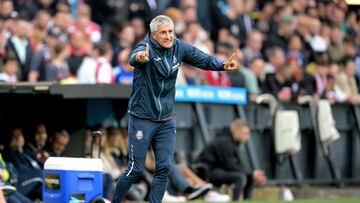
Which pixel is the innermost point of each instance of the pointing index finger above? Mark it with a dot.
(231, 57)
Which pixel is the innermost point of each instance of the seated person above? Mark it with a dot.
(114, 160)
(29, 172)
(6, 189)
(36, 148)
(222, 158)
(58, 143)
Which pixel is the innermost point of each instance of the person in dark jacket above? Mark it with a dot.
(29, 173)
(222, 158)
(151, 106)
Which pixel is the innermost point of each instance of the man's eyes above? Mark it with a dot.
(164, 32)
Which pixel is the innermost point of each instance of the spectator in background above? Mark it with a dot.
(295, 50)
(86, 72)
(347, 81)
(139, 28)
(113, 157)
(29, 172)
(124, 73)
(78, 50)
(125, 39)
(281, 36)
(42, 57)
(253, 46)
(332, 91)
(3, 44)
(265, 21)
(36, 148)
(84, 23)
(188, 10)
(279, 84)
(40, 29)
(302, 82)
(276, 58)
(7, 10)
(336, 49)
(222, 158)
(9, 70)
(19, 45)
(257, 67)
(57, 69)
(97, 69)
(350, 49)
(62, 23)
(321, 72)
(103, 70)
(58, 143)
(316, 41)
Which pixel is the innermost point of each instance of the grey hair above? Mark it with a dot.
(159, 20)
(238, 124)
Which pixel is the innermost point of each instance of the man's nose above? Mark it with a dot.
(167, 35)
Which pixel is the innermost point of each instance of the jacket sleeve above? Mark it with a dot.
(226, 153)
(140, 47)
(199, 59)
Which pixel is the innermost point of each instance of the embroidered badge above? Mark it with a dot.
(139, 135)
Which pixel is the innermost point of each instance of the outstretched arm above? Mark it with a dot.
(199, 59)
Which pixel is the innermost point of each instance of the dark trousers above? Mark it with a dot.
(142, 134)
(241, 181)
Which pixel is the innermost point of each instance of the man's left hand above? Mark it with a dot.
(231, 64)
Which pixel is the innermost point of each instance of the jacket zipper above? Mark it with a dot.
(162, 85)
(162, 88)
(167, 65)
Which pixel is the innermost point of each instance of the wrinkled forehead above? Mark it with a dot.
(164, 27)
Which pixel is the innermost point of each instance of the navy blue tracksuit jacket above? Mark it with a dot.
(153, 91)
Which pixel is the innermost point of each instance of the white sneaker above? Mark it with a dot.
(214, 196)
(170, 198)
(287, 194)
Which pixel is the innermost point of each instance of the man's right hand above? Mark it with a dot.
(259, 177)
(143, 56)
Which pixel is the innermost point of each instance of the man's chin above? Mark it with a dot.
(168, 45)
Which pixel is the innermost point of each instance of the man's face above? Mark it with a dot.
(241, 134)
(60, 143)
(164, 35)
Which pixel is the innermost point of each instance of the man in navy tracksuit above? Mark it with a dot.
(151, 106)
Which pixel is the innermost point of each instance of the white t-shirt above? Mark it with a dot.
(95, 71)
(4, 77)
(86, 72)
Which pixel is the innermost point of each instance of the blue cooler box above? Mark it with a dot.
(70, 180)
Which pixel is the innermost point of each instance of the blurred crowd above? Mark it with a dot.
(285, 47)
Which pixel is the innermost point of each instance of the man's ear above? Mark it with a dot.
(153, 35)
